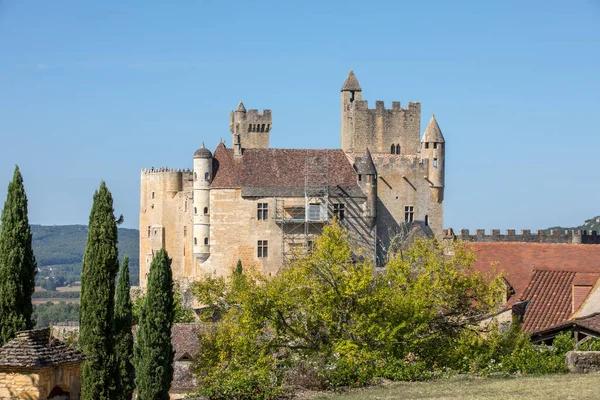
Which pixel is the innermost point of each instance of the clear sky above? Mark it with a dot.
(93, 90)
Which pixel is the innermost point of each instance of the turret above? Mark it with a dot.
(202, 178)
(249, 129)
(351, 91)
(367, 180)
(433, 147)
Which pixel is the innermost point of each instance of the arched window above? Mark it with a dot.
(206, 241)
(206, 176)
(205, 210)
(262, 128)
(268, 127)
(397, 149)
(393, 149)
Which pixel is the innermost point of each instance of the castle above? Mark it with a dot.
(264, 206)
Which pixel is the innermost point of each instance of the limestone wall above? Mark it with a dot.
(37, 383)
(166, 211)
(583, 361)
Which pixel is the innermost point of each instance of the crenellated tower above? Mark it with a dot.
(249, 129)
(201, 211)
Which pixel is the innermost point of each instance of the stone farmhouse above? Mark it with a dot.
(264, 206)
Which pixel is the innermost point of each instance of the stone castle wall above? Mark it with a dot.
(37, 383)
(166, 211)
(381, 127)
(541, 236)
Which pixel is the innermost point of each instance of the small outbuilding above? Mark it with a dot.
(36, 366)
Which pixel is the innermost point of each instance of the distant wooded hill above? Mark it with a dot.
(592, 224)
(59, 251)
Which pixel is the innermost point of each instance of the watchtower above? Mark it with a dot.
(249, 129)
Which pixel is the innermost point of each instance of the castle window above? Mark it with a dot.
(152, 194)
(249, 127)
(195, 211)
(397, 149)
(262, 128)
(426, 145)
(149, 231)
(237, 128)
(339, 210)
(185, 206)
(253, 127)
(435, 162)
(184, 231)
(409, 213)
(359, 177)
(195, 176)
(262, 211)
(393, 150)
(268, 127)
(351, 96)
(184, 250)
(435, 145)
(206, 176)
(263, 249)
(206, 241)
(427, 220)
(195, 241)
(205, 210)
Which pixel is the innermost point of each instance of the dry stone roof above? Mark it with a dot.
(364, 164)
(433, 133)
(35, 348)
(351, 83)
(281, 172)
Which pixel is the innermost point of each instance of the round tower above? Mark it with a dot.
(351, 91)
(433, 148)
(202, 180)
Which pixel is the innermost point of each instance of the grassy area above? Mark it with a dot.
(568, 386)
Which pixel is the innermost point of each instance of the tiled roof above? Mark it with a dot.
(35, 348)
(549, 296)
(186, 345)
(589, 322)
(519, 260)
(281, 172)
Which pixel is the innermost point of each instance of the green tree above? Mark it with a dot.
(96, 320)
(153, 349)
(124, 371)
(17, 263)
(339, 320)
(238, 268)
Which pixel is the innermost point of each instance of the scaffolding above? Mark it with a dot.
(300, 219)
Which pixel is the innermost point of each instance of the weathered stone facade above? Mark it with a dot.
(259, 205)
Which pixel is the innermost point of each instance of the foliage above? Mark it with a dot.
(50, 313)
(124, 371)
(153, 350)
(59, 251)
(183, 314)
(17, 263)
(52, 294)
(342, 318)
(100, 266)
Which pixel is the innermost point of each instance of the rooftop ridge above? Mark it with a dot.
(573, 236)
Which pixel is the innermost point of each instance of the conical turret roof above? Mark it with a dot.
(351, 83)
(433, 132)
(241, 107)
(365, 166)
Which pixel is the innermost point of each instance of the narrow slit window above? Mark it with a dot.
(205, 210)
(427, 220)
(184, 231)
(149, 231)
(393, 150)
(195, 241)
(397, 149)
(206, 241)
(435, 165)
(435, 145)
(427, 145)
(152, 194)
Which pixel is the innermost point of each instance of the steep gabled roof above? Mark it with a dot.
(433, 133)
(281, 172)
(35, 348)
(351, 83)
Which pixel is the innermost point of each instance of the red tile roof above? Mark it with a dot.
(280, 172)
(524, 266)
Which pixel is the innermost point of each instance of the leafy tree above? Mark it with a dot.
(183, 314)
(100, 266)
(339, 321)
(124, 371)
(153, 349)
(17, 263)
(50, 313)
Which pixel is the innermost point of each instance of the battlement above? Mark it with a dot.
(540, 236)
(165, 170)
(363, 105)
(391, 160)
(257, 113)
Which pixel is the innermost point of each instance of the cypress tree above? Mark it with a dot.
(98, 272)
(17, 263)
(124, 372)
(153, 350)
(238, 268)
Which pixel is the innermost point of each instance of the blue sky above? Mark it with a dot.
(99, 90)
